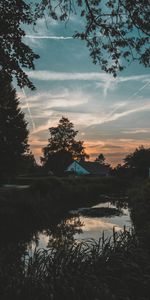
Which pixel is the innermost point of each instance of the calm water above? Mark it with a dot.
(79, 226)
(95, 226)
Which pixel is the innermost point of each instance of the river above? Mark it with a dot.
(85, 224)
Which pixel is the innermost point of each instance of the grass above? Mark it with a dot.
(107, 184)
(139, 203)
(107, 269)
(54, 196)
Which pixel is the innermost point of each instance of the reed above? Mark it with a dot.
(108, 269)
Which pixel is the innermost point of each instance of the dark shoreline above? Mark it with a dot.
(104, 271)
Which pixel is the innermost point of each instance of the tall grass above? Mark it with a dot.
(107, 269)
(139, 203)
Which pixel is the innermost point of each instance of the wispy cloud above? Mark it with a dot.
(48, 75)
(142, 77)
(101, 107)
(47, 37)
(107, 81)
(43, 127)
(103, 80)
(50, 107)
(64, 98)
(107, 147)
(137, 130)
(117, 115)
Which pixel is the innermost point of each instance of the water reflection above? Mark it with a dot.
(78, 226)
(94, 226)
(62, 233)
(18, 236)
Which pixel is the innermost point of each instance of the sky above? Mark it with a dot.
(111, 115)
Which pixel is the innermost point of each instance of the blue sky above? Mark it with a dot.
(112, 115)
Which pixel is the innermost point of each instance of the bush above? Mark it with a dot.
(45, 186)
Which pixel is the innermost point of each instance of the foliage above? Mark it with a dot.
(62, 147)
(29, 165)
(136, 165)
(52, 197)
(121, 172)
(117, 32)
(88, 270)
(14, 53)
(47, 186)
(100, 158)
(138, 162)
(139, 202)
(13, 131)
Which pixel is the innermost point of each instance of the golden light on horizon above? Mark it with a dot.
(114, 150)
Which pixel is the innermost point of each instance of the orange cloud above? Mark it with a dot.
(113, 150)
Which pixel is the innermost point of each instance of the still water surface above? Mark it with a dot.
(84, 224)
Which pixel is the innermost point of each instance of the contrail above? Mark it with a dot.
(49, 37)
(29, 110)
(130, 97)
(142, 88)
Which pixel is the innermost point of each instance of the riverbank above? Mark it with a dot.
(139, 203)
(103, 269)
(108, 270)
(54, 196)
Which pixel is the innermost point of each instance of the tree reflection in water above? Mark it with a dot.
(17, 240)
(57, 234)
(64, 232)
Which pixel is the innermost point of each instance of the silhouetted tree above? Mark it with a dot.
(121, 172)
(13, 131)
(116, 32)
(14, 53)
(100, 158)
(29, 165)
(62, 147)
(138, 162)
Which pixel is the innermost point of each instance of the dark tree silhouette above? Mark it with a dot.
(138, 162)
(14, 53)
(62, 147)
(13, 131)
(116, 31)
(29, 165)
(100, 158)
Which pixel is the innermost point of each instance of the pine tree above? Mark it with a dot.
(13, 131)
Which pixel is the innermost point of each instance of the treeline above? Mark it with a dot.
(63, 147)
(136, 165)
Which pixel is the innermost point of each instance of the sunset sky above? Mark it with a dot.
(112, 115)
